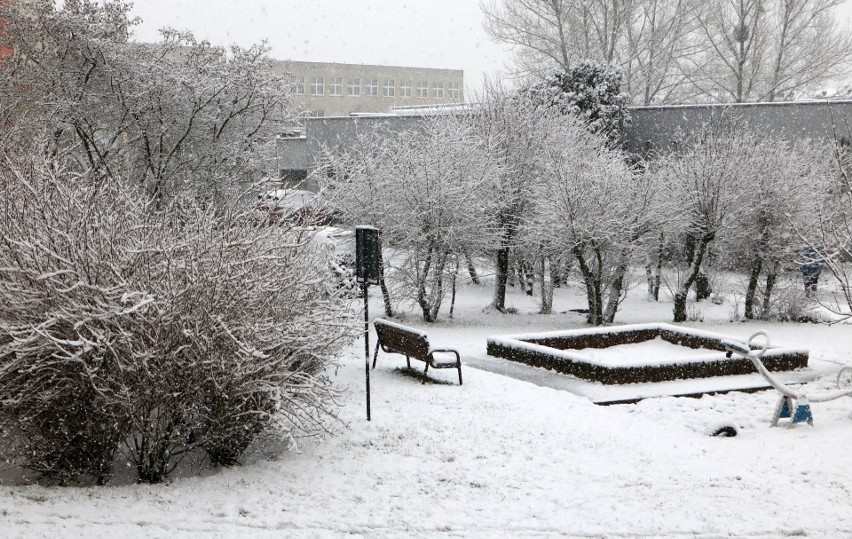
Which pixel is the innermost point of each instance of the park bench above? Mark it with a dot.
(412, 343)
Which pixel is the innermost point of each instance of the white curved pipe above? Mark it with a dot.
(754, 356)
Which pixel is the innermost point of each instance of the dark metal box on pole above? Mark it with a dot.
(368, 258)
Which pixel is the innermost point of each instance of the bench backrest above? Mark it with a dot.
(402, 339)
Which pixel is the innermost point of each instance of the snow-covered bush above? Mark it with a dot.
(158, 332)
(66, 317)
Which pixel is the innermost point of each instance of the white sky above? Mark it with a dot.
(417, 33)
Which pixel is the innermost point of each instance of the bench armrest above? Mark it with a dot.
(444, 351)
(444, 365)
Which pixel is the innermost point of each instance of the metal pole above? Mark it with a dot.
(365, 286)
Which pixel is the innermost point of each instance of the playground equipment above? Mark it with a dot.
(793, 405)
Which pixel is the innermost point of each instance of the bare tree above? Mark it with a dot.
(675, 50)
(706, 192)
(589, 203)
(661, 49)
(830, 236)
(542, 32)
(649, 40)
(785, 183)
(516, 130)
(429, 191)
(176, 116)
(762, 50)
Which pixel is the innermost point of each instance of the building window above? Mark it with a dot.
(299, 87)
(438, 90)
(455, 92)
(422, 89)
(316, 113)
(353, 87)
(372, 87)
(318, 86)
(335, 86)
(388, 90)
(405, 89)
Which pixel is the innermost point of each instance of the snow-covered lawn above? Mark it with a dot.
(501, 457)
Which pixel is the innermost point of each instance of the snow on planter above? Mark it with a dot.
(637, 353)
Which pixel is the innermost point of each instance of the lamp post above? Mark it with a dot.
(368, 255)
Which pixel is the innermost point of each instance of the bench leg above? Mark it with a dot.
(408, 361)
(459, 367)
(426, 370)
(376, 355)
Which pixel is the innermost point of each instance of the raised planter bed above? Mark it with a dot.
(637, 353)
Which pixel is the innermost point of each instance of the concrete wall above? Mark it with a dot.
(656, 128)
(292, 153)
(652, 128)
(337, 133)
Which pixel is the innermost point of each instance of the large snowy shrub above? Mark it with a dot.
(590, 91)
(157, 331)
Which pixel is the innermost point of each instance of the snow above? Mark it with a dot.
(503, 457)
(645, 354)
(285, 198)
(642, 353)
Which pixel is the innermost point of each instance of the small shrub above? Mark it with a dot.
(694, 313)
(735, 313)
(788, 304)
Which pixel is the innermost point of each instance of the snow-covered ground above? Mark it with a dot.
(502, 457)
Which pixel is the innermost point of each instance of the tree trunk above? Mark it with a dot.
(501, 276)
(385, 292)
(547, 281)
(593, 289)
(654, 278)
(422, 279)
(771, 277)
(436, 295)
(698, 248)
(615, 290)
(658, 279)
(526, 277)
(453, 293)
(471, 270)
(649, 278)
(751, 290)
